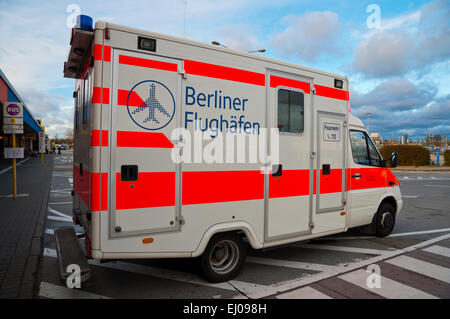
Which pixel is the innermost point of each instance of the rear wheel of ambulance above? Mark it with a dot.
(223, 257)
(384, 220)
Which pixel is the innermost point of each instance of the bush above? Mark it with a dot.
(447, 158)
(415, 155)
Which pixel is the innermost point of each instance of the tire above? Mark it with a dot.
(384, 220)
(223, 257)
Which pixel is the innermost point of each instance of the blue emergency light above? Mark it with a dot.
(84, 22)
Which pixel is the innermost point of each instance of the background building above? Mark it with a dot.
(31, 128)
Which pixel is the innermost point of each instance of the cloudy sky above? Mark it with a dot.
(398, 65)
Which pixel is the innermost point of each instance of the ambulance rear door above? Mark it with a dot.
(145, 182)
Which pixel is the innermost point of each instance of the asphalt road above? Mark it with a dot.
(414, 261)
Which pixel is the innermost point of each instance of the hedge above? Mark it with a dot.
(447, 158)
(408, 155)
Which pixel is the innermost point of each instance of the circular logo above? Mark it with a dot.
(151, 105)
(13, 109)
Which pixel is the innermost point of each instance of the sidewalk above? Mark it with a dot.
(22, 225)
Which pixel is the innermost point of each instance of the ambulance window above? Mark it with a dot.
(375, 159)
(359, 147)
(77, 107)
(85, 97)
(290, 111)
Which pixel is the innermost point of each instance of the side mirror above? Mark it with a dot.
(394, 159)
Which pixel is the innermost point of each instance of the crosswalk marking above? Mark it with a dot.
(52, 291)
(346, 249)
(304, 293)
(389, 288)
(438, 250)
(289, 264)
(422, 267)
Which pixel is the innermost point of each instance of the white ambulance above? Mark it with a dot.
(135, 88)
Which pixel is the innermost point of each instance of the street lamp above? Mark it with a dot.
(368, 125)
(260, 51)
(217, 43)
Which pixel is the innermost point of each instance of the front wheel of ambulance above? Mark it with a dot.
(223, 258)
(384, 220)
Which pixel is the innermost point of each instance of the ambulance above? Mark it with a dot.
(136, 89)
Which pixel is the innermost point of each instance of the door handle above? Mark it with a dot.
(277, 170)
(356, 176)
(129, 173)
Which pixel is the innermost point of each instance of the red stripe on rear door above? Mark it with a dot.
(224, 73)
(222, 186)
(134, 100)
(143, 139)
(331, 92)
(146, 63)
(152, 189)
(276, 81)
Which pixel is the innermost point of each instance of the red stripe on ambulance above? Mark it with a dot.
(100, 95)
(99, 191)
(101, 51)
(221, 186)
(291, 183)
(331, 92)
(146, 63)
(276, 81)
(134, 100)
(99, 138)
(224, 73)
(152, 189)
(143, 139)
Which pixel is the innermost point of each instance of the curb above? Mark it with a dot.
(29, 286)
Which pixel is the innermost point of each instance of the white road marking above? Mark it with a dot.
(289, 264)
(61, 219)
(53, 211)
(410, 196)
(8, 168)
(422, 267)
(304, 293)
(389, 288)
(303, 281)
(438, 250)
(420, 232)
(48, 252)
(52, 291)
(432, 231)
(60, 203)
(346, 249)
(172, 275)
(161, 273)
(437, 185)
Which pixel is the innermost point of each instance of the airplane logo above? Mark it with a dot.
(151, 103)
(156, 110)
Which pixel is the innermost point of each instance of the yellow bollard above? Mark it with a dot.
(14, 168)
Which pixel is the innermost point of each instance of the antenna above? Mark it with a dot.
(184, 24)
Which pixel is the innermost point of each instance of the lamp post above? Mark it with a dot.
(368, 125)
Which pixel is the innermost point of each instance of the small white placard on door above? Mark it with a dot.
(331, 132)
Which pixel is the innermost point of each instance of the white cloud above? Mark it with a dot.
(309, 36)
(408, 43)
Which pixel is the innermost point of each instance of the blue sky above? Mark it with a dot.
(399, 68)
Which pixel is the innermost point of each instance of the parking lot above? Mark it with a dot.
(414, 261)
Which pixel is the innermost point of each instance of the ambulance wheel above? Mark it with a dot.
(384, 220)
(223, 258)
